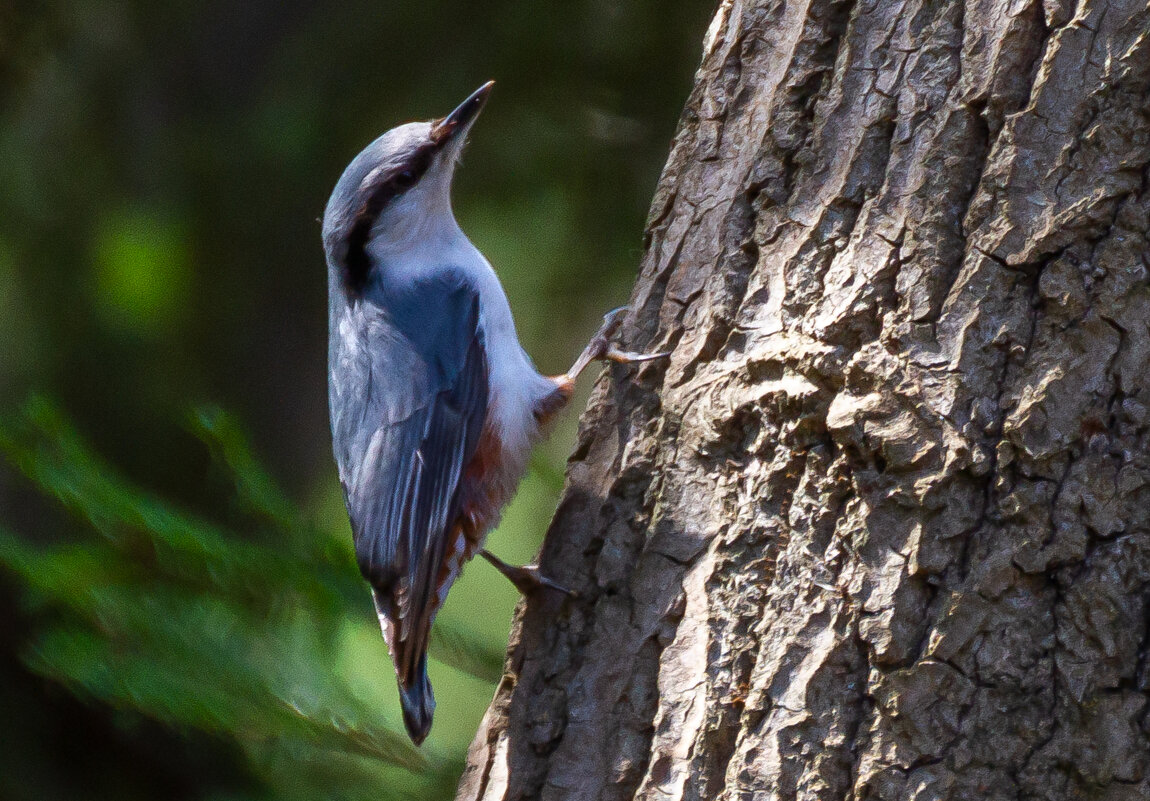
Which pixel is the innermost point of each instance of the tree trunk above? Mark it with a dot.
(881, 527)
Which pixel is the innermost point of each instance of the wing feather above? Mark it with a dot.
(409, 447)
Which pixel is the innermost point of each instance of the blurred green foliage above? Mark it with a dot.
(200, 626)
(177, 625)
(196, 625)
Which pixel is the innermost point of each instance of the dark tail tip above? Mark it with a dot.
(418, 704)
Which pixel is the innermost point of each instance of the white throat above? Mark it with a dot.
(417, 223)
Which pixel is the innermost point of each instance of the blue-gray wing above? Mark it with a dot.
(411, 423)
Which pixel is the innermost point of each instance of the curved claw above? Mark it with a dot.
(630, 357)
(613, 319)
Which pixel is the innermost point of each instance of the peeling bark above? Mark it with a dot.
(881, 527)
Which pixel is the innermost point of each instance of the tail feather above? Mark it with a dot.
(418, 703)
(410, 658)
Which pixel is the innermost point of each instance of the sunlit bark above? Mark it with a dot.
(881, 527)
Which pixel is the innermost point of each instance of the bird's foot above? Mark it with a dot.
(601, 349)
(527, 579)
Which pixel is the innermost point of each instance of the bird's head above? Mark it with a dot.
(396, 194)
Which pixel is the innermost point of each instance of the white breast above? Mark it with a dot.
(516, 388)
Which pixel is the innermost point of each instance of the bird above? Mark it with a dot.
(434, 404)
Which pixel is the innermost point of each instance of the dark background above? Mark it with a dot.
(162, 170)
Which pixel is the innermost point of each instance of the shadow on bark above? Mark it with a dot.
(881, 529)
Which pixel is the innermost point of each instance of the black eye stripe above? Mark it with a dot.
(380, 190)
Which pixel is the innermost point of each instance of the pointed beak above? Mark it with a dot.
(458, 121)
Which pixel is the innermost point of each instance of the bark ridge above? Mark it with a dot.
(881, 528)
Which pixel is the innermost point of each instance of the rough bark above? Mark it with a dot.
(881, 527)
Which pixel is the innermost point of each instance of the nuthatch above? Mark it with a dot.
(434, 404)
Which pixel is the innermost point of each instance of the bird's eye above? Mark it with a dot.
(405, 179)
